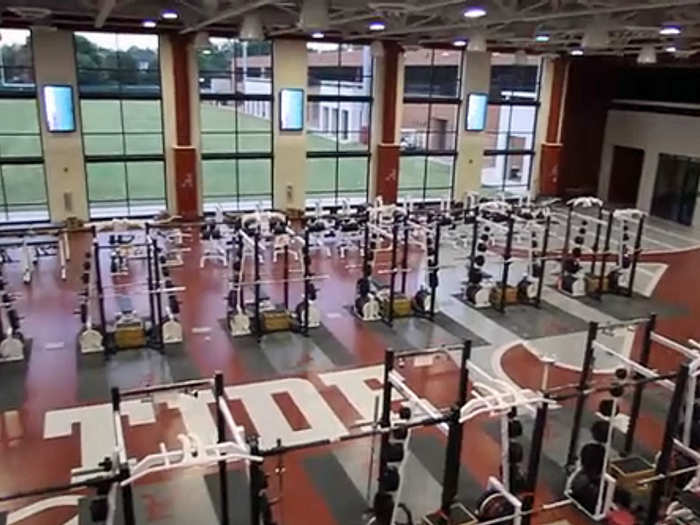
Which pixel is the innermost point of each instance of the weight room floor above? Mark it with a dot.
(43, 399)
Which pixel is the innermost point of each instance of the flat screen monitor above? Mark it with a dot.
(58, 107)
(477, 104)
(291, 109)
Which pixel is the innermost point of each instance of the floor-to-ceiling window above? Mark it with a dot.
(338, 122)
(121, 111)
(432, 87)
(235, 90)
(510, 123)
(22, 179)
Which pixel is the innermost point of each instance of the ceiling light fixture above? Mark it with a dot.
(317, 35)
(671, 49)
(576, 52)
(647, 55)
(474, 12)
(377, 26)
(148, 24)
(206, 51)
(670, 31)
(169, 14)
(542, 38)
(459, 43)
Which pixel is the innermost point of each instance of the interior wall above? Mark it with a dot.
(590, 87)
(289, 180)
(470, 145)
(655, 133)
(54, 63)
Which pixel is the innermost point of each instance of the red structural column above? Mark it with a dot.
(550, 158)
(388, 149)
(186, 191)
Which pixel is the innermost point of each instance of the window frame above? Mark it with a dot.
(25, 160)
(508, 152)
(431, 100)
(124, 158)
(236, 155)
(338, 153)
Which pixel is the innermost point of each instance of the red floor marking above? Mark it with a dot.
(374, 384)
(291, 411)
(242, 418)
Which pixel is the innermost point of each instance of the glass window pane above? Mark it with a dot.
(439, 172)
(101, 116)
(18, 116)
(412, 175)
(354, 141)
(320, 175)
(446, 73)
(20, 146)
(219, 178)
(492, 171)
(218, 142)
(217, 116)
(254, 142)
(106, 181)
(146, 181)
(254, 115)
(143, 144)
(142, 115)
(352, 177)
(26, 192)
(254, 179)
(16, 47)
(106, 144)
(518, 170)
(320, 141)
(24, 184)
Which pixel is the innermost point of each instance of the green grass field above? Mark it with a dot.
(135, 129)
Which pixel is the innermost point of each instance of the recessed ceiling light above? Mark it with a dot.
(459, 43)
(169, 14)
(149, 24)
(317, 35)
(474, 12)
(577, 52)
(671, 49)
(377, 26)
(670, 30)
(542, 38)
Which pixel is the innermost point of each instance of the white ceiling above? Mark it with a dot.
(509, 24)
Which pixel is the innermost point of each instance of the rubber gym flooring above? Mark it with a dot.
(55, 414)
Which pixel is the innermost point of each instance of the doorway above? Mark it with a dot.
(676, 188)
(625, 174)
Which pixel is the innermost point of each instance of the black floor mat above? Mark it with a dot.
(331, 481)
(12, 380)
(530, 322)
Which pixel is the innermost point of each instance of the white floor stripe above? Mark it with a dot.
(43, 505)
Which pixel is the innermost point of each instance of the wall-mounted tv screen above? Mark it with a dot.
(58, 108)
(477, 104)
(291, 109)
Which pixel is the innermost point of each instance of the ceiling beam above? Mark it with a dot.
(542, 17)
(106, 7)
(228, 13)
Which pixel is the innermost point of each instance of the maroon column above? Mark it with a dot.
(388, 150)
(551, 148)
(186, 191)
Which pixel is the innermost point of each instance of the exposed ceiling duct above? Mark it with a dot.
(314, 15)
(251, 28)
(537, 26)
